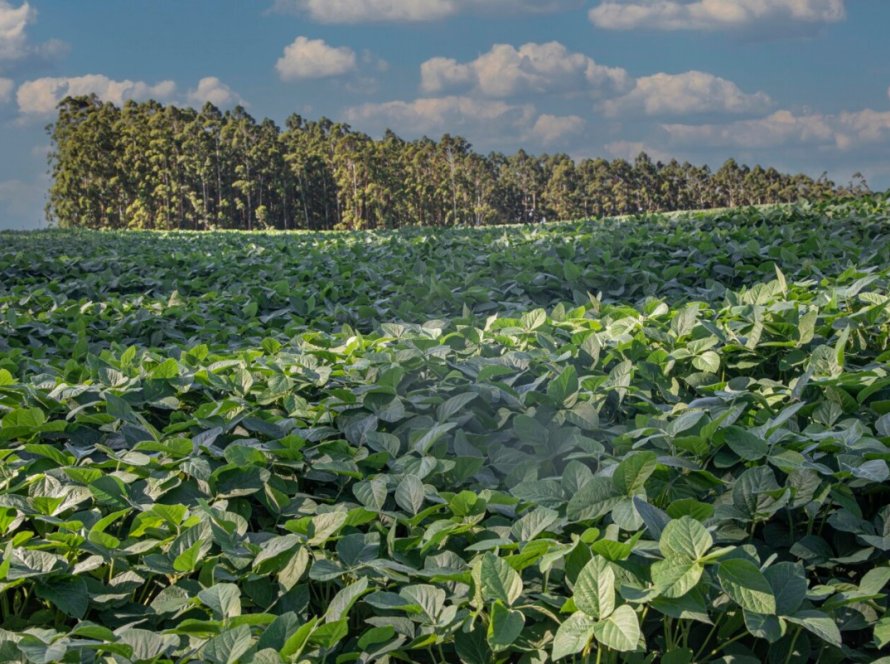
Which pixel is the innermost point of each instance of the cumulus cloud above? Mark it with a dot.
(440, 115)
(506, 71)
(405, 11)
(844, 131)
(14, 44)
(6, 86)
(713, 14)
(211, 89)
(629, 150)
(553, 129)
(488, 122)
(684, 94)
(866, 127)
(314, 58)
(13, 23)
(40, 96)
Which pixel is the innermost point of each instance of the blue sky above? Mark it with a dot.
(803, 85)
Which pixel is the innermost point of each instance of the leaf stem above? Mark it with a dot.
(791, 646)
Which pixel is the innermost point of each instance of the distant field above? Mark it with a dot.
(638, 439)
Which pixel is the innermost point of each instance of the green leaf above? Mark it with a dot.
(675, 577)
(594, 591)
(69, 595)
(146, 644)
(770, 628)
(410, 494)
(818, 623)
(745, 444)
(499, 580)
(685, 539)
(505, 626)
(454, 405)
(594, 500)
(746, 585)
(343, 600)
(789, 585)
(882, 632)
(324, 526)
(166, 370)
(620, 631)
(187, 560)
(371, 493)
(224, 599)
(21, 423)
(472, 647)
(533, 319)
(534, 523)
(874, 580)
(564, 386)
(708, 361)
(227, 647)
(294, 645)
(631, 474)
(573, 635)
(677, 656)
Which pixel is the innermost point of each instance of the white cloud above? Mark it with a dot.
(14, 44)
(438, 74)
(505, 71)
(489, 122)
(211, 89)
(629, 150)
(362, 11)
(866, 127)
(844, 131)
(40, 96)
(13, 23)
(713, 14)
(440, 115)
(6, 86)
(552, 129)
(684, 94)
(314, 58)
(406, 11)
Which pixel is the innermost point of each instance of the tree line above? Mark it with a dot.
(146, 165)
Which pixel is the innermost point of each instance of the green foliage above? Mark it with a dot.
(438, 448)
(153, 166)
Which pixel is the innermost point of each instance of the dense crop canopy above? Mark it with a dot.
(639, 440)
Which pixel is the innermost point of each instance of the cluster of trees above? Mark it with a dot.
(147, 165)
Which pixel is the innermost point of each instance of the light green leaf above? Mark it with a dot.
(224, 599)
(499, 580)
(227, 647)
(818, 623)
(410, 494)
(573, 635)
(594, 591)
(746, 585)
(685, 539)
(620, 631)
(631, 474)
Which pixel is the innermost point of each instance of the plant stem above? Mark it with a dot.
(701, 650)
(741, 635)
(791, 647)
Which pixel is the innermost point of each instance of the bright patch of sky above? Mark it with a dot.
(803, 85)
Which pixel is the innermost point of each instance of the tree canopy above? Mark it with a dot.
(152, 166)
